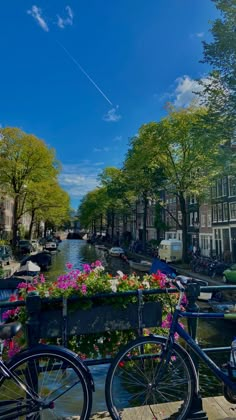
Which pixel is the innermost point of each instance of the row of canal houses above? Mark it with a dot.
(6, 218)
(211, 225)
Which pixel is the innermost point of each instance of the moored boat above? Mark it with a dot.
(116, 251)
(140, 266)
(50, 246)
(226, 307)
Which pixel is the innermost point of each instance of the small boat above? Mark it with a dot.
(140, 266)
(225, 307)
(50, 246)
(43, 259)
(116, 251)
(28, 269)
(101, 247)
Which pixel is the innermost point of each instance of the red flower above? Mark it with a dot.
(12, 298)
(31, 288)
(121, 364)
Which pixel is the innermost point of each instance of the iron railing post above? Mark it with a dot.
(193, 293)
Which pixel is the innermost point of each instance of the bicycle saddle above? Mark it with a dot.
(9, 330)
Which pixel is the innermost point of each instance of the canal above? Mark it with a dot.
(211, 333)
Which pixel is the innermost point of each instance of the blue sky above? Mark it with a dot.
(85, 75)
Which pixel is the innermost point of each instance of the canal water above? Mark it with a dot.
(211, 333)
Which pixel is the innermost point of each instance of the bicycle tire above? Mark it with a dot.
(131, 391)
(57, 376)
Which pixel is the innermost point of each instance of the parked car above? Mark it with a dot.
(25, 247)
(170, 250)
(5, 254)
(229, 275)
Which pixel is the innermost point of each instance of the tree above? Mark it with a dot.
(220, 87)
(24, 160)
(92, 209)
(188, 157)
(47, 201)
(141, 177)
(119, 193)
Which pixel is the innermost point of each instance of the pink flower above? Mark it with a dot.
(84, 289)
(167, 322)
(42, 278)
(86, 268)
(22, 285)
(69, 266)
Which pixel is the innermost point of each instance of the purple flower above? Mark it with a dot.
(22, 285)
(87, 268)
(69, 266)
(42, 278)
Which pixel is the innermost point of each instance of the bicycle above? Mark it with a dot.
(43, 382)
(157, 376)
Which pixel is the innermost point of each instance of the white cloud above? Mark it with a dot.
(68, 20)
(112, 115)
(101, 149)
(117, 138)
(36, 13)
(184, 91)
(99, 164)
(197, 35)
(78, 179)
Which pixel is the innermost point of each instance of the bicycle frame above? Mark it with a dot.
(176, 328)
(15, 412)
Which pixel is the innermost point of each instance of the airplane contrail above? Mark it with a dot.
(84, 72)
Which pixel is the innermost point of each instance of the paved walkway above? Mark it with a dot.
(216, 408)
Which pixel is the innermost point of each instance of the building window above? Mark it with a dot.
(214, 213)
(220, 212)
(213, 190)
(225, 192)
(209, 218)
(219, 188)
(232, 211)
(232, 186)
(203, 220)
(191, 220)
(225, 212)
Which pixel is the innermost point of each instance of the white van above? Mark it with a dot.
(170, 250)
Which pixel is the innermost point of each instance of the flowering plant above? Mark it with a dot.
(90, 281)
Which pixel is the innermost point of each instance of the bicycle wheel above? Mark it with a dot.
(54, 375)
(137, 388)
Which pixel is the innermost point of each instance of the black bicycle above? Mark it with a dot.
(153, 377)
(45, 382)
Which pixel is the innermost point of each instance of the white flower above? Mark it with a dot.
(98, 269)
(146, 283)
(114, 283)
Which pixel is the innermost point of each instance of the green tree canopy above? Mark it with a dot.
(185, 154)
(25, 160)
(220, 53)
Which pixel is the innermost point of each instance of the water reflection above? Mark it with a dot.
(210, 333)
(78, 252)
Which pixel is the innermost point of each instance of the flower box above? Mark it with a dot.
(99, 319)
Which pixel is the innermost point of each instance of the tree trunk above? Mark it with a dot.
(101, 224)
(183, 209)
(31, 224)
(145, 202)
(45, 229)
(112, 224)
(15, 221)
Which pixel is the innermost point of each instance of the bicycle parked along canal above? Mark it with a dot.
(43, 383)
(157, 376)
